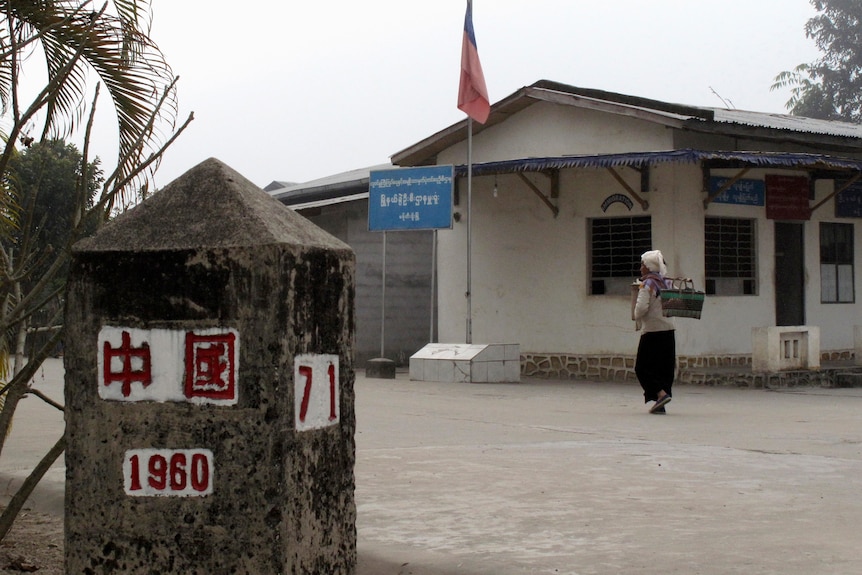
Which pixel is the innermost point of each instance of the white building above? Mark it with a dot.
(571, 185)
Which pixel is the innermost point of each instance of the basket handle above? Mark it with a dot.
(682, 283)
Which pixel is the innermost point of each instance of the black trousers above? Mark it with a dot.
(655, 365)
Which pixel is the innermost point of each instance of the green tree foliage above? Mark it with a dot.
(46, 182)
(76, 38)
(829, 88)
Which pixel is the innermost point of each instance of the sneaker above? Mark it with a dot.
(660, 403)
(659, 411)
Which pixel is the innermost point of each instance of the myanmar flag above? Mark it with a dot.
(472, 93)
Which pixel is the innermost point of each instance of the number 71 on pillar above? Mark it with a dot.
(316, 391)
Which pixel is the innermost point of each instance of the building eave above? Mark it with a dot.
(776, 128)
(690, 156)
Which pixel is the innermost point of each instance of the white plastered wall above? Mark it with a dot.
(836, 321)
(530, 270)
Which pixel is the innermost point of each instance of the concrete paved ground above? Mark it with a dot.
(576, 478)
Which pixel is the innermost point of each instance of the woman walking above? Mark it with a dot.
(656, 359)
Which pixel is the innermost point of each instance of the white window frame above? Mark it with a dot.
(837, 270)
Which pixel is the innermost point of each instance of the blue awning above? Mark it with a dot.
(641, 159)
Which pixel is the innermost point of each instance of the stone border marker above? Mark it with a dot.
(209, 388)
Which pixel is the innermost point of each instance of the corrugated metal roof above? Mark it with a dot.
(759, 126)
(330, 186)
(277, 185)
(329, 201)
(787, 122)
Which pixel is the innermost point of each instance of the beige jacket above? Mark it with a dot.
(648, 315)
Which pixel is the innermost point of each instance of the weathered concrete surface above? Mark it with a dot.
(213, 251)
(563, 477)
(576, 478)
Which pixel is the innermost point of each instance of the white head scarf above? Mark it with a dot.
(654, 262)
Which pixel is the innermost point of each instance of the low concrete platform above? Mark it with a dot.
(575, 477)
(467, 363)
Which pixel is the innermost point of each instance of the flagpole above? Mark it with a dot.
(473, 100)
(383, 302)
(433, 285)
(469, 229)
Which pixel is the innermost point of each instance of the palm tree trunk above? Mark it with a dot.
(16, 390)
(20, 339)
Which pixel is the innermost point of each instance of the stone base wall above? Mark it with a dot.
(568, 366)
(837, 355)
(751, 380)
(733, 370)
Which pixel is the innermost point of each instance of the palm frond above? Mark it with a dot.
(118, 49)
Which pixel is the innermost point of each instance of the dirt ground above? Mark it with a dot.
(35, 545)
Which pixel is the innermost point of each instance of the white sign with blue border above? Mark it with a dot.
(742, 192)
(410, 198)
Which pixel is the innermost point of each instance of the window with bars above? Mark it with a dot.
(616, 245)
(836, 263)
(731, 256)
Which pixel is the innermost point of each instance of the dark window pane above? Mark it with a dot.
(617, 245)
(730, 248)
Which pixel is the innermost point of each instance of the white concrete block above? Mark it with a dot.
(492, 352)
(479, 372)
(431, 370)
(417, 369)
(461, 371)
(459, 362)
(512, 370)
(496, 373)
(513, 353)
(785, 348)
(445, 370)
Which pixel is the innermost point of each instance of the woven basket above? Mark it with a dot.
(682, 300)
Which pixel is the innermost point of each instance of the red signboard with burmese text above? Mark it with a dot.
(787, 197)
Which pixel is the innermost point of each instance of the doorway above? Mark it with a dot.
(789, 274)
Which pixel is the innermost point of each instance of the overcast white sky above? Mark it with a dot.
(298, 90)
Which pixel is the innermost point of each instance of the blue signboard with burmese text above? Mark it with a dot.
(848, 204)
(742, 192)
(410, 198)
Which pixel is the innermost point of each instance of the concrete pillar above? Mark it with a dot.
(785, 348)
(209, 388)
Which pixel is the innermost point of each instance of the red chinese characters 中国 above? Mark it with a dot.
(210, 366)
(135, 364)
